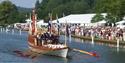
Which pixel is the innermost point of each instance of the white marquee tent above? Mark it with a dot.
(120, 22)
(41, 23)
(28, 20)
(100, 23)
(76, 18)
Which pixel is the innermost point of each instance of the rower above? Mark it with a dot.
(38, 39)
(42, 38)
(55, 39)
(45, 38)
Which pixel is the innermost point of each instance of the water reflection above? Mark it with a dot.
(70, 39)
(77, 39)
(117, 49)
(50, 59)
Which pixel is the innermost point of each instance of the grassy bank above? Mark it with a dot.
(99, 40)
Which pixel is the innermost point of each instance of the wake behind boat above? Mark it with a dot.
(45, 42)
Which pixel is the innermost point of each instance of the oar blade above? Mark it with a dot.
(85, 52)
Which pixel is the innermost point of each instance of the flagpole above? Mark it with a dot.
(58, 24)
(50, 16)
(30, 26)
(35, 24)
(65, 34)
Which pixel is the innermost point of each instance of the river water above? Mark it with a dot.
(14, 41)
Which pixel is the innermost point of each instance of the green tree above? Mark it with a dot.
(64, 6)
(6, 10)
(97, 17)
(9, 13)
(37, 5)
(113, 8)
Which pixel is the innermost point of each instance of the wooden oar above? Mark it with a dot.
(85, 52)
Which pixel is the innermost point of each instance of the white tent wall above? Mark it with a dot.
(121, 24)
(100, 23)
(41, 23)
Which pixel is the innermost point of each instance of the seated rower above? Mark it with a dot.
(38, 39)
(55, 39)
(42, 38)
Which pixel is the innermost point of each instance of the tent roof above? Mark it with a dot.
(123, 21)
(76, 18)
(40, 22)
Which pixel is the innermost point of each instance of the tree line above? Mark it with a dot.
(115, 9)
(10, 14)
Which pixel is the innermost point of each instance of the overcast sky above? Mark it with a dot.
(24, 3)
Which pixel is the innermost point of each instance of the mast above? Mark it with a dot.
(34, 29)
(50, 23)
(34, 18)
(65, 30)
(30, 26)
(65, 33)
(58, 25)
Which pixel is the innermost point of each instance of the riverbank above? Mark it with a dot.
(121, 43)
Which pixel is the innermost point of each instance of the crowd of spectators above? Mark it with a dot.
(99, 32)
